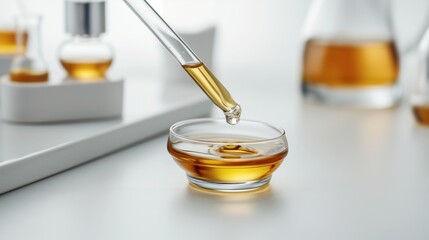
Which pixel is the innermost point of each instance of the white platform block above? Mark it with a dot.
(63, 101)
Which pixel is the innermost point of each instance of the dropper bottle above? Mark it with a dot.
(212, 87)
(84, 55)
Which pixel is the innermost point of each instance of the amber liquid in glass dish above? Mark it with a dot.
(228, 161)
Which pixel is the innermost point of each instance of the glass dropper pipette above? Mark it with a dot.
(187, 59)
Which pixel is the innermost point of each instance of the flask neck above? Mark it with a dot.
(350, 21)
(423, 48)
(28, 36)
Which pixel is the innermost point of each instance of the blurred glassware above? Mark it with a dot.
(28, 65)
(420, 97)
(8, 11)
(350, 55)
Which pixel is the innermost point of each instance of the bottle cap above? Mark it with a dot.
(85, 17)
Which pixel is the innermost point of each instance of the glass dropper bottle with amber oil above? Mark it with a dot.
(84, 55)
(205, 79)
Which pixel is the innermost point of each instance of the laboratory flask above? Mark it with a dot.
(350, 57)
(28, 65)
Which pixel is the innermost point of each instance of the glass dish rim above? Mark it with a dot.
(280, 131)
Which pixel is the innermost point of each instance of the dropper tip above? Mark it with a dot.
(233, 116)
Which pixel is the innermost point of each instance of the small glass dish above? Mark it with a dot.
(221, 157)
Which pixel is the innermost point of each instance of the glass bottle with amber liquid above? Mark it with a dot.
(420, 96)
(9, 10)
(84, 55)
(350, 56)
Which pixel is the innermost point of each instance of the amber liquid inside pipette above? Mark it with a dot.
(215, 91)
(229, 162)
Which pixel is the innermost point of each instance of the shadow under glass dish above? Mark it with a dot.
(221, 157)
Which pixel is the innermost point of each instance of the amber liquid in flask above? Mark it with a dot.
(28, 76)
(361, 74)
(346, 65)
(228, 162)
(421, 113)
(86, 69)
(8, 44)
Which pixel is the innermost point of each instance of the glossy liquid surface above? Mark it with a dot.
(28, 76)
(8, 43)
(86, 70)
(421, 113)
(215, 91)
(350, 65)
(228, 162)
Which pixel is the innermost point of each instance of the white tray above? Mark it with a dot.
(64, 100)
(32, 152)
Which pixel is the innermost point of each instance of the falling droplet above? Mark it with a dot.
(233, 116)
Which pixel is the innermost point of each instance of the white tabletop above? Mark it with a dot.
(350, 174)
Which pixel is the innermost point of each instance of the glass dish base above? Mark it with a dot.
(368, 97)
(229, 186)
